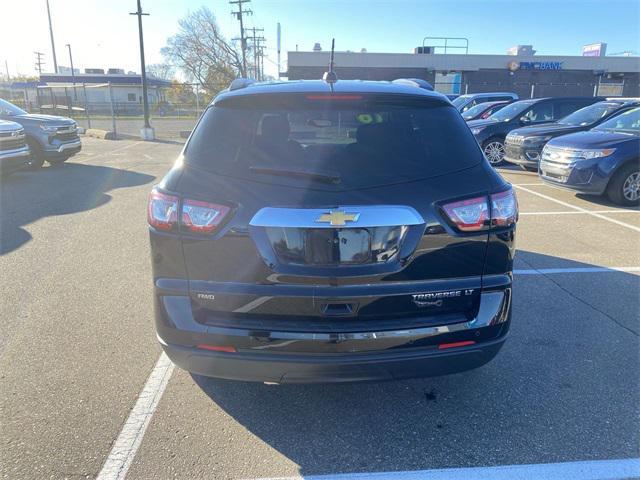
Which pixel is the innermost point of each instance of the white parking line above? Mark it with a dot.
(126, 445)
(130, 437)
(551, 271)
(575, 212)
(580, 209)
(588, 470)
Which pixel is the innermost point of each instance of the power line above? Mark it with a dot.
(257, 50)
(39, 62)
(243, 39)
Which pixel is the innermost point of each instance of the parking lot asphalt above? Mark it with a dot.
(77, 345)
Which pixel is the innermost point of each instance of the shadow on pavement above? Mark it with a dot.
(604, 201)
(563, 388)
(26, 197)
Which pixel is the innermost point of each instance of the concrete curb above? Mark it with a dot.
(185, 133)
(102, 134)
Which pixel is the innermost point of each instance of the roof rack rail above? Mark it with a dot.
(239, 83)
(414, 82)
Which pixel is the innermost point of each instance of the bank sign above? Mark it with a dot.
(540, 65)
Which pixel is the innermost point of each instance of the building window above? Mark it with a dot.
(131, 97)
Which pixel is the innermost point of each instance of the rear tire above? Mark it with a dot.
(36, 160)
(493, 150)
(624, 187)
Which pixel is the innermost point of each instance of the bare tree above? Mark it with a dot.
(163, 71)
(200, 50)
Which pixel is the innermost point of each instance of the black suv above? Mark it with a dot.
(327, 232)
(491, 133)
(523, 146)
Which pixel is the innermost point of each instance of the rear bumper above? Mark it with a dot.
(307, 357)
(329, 368)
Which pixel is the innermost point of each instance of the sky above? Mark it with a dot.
(102, 34)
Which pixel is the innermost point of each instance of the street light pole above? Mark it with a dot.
(147, 132)
(73, 73)
(53, 45)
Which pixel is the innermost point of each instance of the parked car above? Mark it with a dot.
(306, 235)
(51, 138)
(491, 132)
(523, 146)
(14, 152)
(483, 110)
(465, 102)
(603, 160)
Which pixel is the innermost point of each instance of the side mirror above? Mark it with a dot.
(525, 120)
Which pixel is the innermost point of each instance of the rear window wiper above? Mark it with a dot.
(320, 176)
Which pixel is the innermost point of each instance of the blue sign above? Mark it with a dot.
(541, 65)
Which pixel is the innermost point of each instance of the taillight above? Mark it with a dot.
(162, 210)
(468, 215)
(476, 214)
(197, 216)
(202, 217)
(504, 208)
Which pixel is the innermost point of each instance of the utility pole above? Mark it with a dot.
(53, 45)
(260, 61)
(6, 66)
(279, 41)
(73, 73)
(243, 39)
(39, 62)
(147, 132)
(255, 43)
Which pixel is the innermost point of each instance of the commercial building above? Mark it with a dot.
(94, 87)
(123, 88)
(523, 72)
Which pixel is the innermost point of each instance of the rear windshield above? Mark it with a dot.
(352, 142)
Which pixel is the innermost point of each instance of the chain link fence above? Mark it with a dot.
(174, 111)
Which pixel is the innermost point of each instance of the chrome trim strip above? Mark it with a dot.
(494, 310)
(366, 216)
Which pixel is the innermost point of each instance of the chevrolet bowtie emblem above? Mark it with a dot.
(337, 217)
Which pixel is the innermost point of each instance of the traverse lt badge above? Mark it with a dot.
(436, 299)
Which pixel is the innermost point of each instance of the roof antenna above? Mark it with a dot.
(330, 76)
